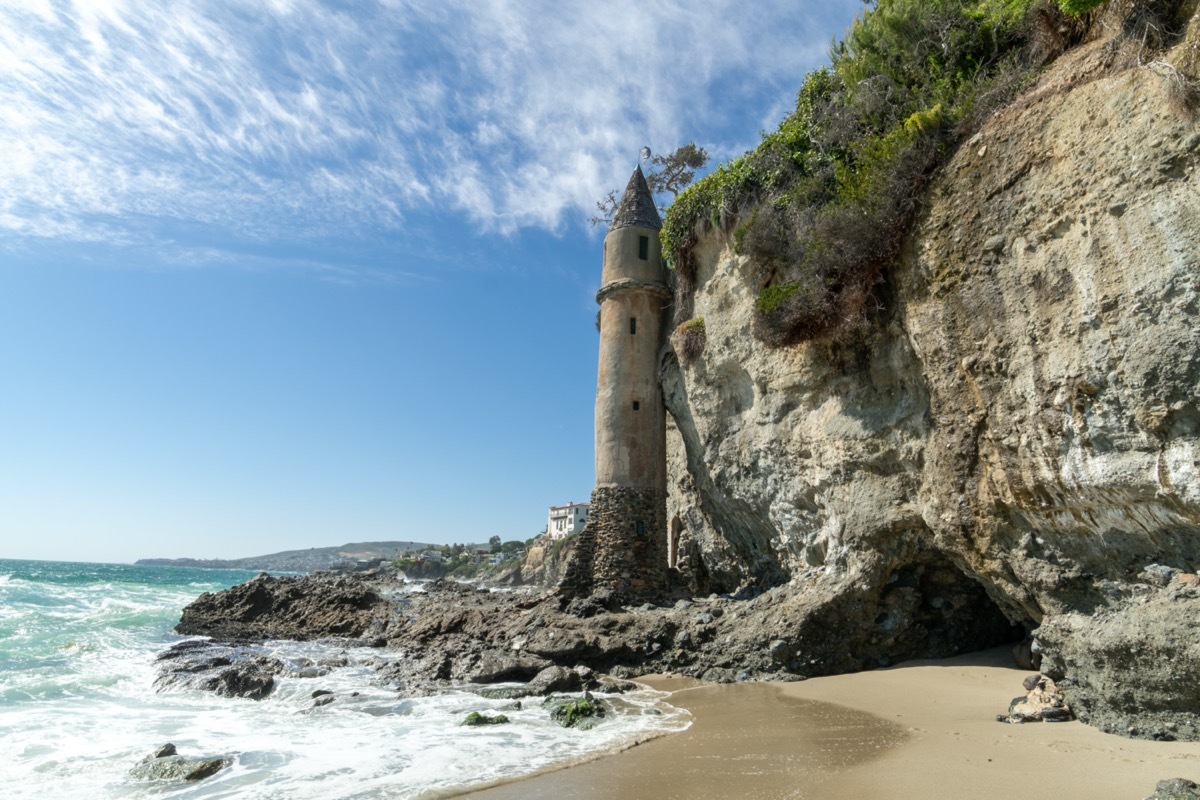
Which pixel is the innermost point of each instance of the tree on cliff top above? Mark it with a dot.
(670, 173)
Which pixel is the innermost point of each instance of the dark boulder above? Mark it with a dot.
(494, 668)
(322, 700)
(227, 671)
(253, 679)
(164, 764)
(1176, 789)
(555, 679)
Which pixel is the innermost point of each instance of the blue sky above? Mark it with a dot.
(283, 274)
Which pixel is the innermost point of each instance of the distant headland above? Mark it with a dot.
(298, 560)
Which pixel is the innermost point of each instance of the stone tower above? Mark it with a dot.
(627, 518)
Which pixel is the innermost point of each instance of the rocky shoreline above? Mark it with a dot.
(457, 636)
(454, 634)
(447, 636)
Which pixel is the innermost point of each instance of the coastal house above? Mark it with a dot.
(565, 520)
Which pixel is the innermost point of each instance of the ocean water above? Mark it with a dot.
(78, 708)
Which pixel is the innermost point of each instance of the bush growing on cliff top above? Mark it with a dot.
(834, 189)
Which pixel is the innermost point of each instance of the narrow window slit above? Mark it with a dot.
(633, 324)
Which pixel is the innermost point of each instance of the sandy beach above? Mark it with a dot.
(922, 729)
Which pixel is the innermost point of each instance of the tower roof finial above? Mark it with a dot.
(637, 206)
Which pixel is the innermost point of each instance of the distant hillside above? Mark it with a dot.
(296, 560)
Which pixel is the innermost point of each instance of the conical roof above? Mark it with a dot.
(637, 205)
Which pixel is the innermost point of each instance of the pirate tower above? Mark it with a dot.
(627, 519)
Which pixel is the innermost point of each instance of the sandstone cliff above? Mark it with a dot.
(544, 564)
(1015, 433)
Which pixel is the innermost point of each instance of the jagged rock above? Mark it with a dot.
(504, 692)
(585, 607)
(475, 719)
(298, 608)
(252, 680)
(995, 244)
(224, 670)
(547, 681)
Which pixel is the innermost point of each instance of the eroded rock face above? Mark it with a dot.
(1064, 365)
(1024, 414)
(1132, 667)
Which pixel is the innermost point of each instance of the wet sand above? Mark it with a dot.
(923, 729)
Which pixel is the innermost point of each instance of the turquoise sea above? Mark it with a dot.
(78, 707)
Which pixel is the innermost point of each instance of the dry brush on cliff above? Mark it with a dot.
(823, 204)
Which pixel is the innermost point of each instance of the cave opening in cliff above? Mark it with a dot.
(932, 608)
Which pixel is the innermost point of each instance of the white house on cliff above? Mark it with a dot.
(565, 520)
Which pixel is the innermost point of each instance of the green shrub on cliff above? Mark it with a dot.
(834, 189)
(1078, 7)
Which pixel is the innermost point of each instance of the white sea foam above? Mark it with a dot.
(78, 710)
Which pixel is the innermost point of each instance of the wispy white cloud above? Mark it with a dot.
(269, 119)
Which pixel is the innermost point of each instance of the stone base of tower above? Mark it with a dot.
(623, 550)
